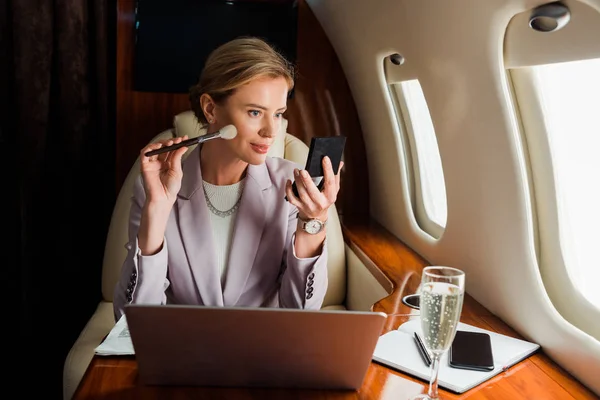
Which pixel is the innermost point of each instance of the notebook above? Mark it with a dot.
(117, 342)
(251, 347)
(397, 349)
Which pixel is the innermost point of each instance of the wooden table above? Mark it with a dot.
(537, 377)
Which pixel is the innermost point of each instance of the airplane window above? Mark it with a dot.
(569, 99)
(430, 190)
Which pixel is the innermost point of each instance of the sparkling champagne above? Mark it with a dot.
(441, 305)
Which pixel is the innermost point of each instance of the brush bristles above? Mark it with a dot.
(228, 132)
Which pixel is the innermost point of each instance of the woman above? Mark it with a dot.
(216, 229)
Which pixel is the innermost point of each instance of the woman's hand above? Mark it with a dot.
(162, 173)
(311, 202)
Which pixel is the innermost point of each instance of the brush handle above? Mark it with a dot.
(185, 143)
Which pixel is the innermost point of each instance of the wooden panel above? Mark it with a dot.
(399, 264)
(140, 115)
(537, 377)
(322, 105)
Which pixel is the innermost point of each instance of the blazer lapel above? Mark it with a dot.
(249, 225)
(196, 232)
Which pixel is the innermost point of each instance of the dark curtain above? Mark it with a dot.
(57, 101)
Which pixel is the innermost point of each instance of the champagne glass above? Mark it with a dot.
(442, 294)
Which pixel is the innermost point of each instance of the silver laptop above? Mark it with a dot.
(252, 347)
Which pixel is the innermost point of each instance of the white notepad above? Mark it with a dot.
(117, 342)
(397, 349)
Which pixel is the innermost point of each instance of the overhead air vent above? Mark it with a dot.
(397, 59)
(549, 17)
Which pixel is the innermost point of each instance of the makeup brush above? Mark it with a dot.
(227, 132)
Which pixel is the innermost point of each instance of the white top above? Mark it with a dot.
(225, 199)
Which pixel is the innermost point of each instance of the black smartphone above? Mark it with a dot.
(471, 350)
(332, 147)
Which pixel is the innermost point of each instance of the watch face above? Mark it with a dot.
(313, 227)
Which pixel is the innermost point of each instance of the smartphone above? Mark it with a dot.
(471, 350)
(332, 147)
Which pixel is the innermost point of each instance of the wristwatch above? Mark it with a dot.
(312, 225)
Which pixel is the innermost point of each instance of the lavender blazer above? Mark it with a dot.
(263, 270)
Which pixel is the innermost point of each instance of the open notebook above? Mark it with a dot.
(397, 349)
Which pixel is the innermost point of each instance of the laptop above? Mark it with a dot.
(252, 347)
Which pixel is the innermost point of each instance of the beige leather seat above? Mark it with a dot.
(351, 286)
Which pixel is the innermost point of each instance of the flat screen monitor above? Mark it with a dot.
(173, 38)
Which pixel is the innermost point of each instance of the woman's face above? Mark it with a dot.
(256, 111)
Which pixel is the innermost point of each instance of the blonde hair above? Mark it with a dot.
(234, 64)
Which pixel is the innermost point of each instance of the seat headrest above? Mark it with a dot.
(186, 123)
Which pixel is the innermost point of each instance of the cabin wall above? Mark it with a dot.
(322, 105)
(455, 49)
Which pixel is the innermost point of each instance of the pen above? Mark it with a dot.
(422, 350)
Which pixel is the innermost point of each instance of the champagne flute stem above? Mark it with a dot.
(433, 380)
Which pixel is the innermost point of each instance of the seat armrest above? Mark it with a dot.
(366, 284)
(82, 351)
